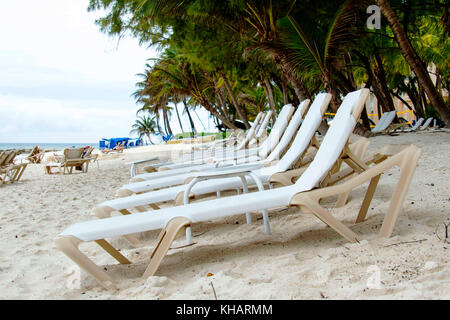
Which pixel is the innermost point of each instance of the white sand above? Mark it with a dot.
(302, 259)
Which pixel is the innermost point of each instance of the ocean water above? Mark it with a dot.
(46, 146)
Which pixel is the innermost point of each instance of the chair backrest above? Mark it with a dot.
(250, 132)
(9, 158)
(277, 130)
(34, 151)
(426, 124)
(305, 133)
(385, 120)
(417, 124)
(334, 141)
(87, 153)
(262, 128)
(290, 131)
(73, 153)
(3, 155)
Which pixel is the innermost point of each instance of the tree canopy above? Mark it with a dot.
(237, 57)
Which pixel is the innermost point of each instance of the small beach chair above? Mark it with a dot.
(72, 157)
(305, 194)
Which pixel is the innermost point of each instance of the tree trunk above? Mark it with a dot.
(213, 111)
(285, 90)
(380, 75)
(166, 121)
(179, 119)
(280, 61)
(242, 115)
(414, 61)
(268, 89)
(194, 131)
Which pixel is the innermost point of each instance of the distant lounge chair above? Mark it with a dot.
(426, 125)
(73, 157)
(35, 155)
(305, 194)
(415, 127)
(8, 169)
(210, 150)
(385, 125)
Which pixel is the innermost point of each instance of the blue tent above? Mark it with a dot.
(111, 143)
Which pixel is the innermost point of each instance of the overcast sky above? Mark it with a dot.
(62, 80)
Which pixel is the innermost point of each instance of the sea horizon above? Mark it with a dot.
(45, 145)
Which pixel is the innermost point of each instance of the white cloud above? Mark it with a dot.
(62, 80)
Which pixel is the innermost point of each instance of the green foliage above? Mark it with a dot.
(298, 47)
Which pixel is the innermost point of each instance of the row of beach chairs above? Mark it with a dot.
(283, 171)
(9, 170)
(386, 126)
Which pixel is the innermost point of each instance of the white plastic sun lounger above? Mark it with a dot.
(177, 176)
(263, 149)
(302, 194)
(303, 139)
(193, 156)
(262, 152)
(204, 157)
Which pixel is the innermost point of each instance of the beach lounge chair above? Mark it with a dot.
(426, 125)
(10, 170)
(305, 194)
(207, 154)
(384, 124)
(415, 127)
(260, 152)
(204, 149)
(35, 155)
(72, 157)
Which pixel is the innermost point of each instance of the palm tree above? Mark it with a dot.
(144, 126)
(415, 62)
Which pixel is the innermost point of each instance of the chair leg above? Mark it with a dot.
(21, 172)
(408, 166)
(324, 215)
(368, 198)
(165, 239)
(69, 246)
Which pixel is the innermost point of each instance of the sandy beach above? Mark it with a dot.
(302, 259)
